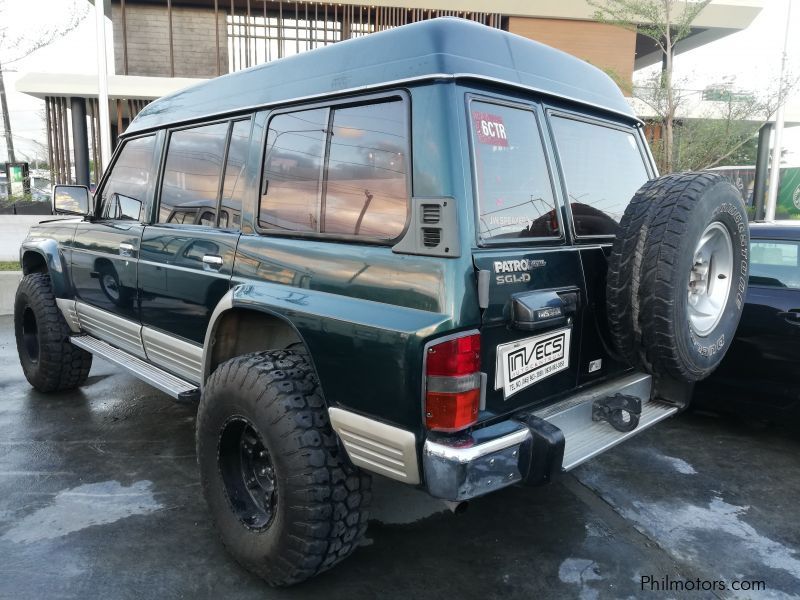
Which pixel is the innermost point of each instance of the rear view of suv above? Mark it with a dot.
(451, 264)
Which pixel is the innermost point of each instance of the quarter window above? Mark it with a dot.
(192, 174)
(515, 195)
(346, 178)
(124, 191)
(603, 168)
(775, 264)
(366, 188)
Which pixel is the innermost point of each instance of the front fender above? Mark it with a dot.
(54, 259)
(367, 355)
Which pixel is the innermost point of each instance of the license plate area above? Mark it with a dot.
(522, 363)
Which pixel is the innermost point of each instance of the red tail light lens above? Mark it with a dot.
(453, 383)
(461, 356)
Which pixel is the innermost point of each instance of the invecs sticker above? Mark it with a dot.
(490, 129)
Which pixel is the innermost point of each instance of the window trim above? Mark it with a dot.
(551, 113)
(530, 107)
(168, 131)
(156, 162)
(331, 105)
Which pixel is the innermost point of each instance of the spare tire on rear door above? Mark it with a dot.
(678, 275)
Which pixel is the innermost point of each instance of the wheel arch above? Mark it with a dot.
(45, 256)
(236, 330)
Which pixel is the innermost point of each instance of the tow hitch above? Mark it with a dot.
(620, 411)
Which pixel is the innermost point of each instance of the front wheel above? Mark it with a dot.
(50, 362)
(285, 502)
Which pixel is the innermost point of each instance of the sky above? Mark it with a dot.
(751, 56)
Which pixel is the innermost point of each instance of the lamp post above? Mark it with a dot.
(775, 168)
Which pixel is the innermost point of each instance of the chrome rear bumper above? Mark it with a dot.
(545, 441)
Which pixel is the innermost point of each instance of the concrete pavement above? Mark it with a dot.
(99, 498)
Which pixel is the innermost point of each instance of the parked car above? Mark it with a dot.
(437, 275)
(760, 375)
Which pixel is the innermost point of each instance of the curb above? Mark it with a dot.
(9, 280)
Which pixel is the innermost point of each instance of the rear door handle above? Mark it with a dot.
(212, 262)
(790, 316)
(128, 250)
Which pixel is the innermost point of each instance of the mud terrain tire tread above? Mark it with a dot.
(322, 499)
(60, 366)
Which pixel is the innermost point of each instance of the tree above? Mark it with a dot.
(17, 43)
(666, 22)
(720, 124)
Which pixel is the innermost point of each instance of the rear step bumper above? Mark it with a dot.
(534, 446)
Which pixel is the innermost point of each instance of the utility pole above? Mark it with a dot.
(102, 83)
(775, 167)
(6, 119)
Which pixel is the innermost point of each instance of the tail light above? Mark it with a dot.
(453, 383)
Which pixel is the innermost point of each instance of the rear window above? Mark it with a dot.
(515, 195)
(603, 167)
(774, 264)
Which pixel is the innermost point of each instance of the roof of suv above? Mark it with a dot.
(446, 47)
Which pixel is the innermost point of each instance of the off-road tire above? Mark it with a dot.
(57, 364)
(321, 507)
(649, 269)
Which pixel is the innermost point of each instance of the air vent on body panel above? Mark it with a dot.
(431, 213)
(431, 236)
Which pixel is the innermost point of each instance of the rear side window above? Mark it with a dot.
(123, 194)
(603, 167)
(341, 171)
(775, 264)
(515, 194)
(192, 174)
(366, 188)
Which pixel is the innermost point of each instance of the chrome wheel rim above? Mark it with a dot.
(710, 279)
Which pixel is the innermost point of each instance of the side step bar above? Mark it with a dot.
(166, 382)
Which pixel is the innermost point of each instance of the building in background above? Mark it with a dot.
(161, 46)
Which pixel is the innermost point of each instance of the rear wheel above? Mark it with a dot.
(285, 502)
(678, 275)
(50, 362)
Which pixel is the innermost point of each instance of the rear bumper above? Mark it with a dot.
(533, 447)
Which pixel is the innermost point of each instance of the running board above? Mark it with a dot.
(585, 438)
(166, 382)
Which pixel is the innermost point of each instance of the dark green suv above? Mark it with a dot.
(438, 254)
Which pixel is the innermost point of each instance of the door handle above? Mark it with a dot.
(790, 316)
(127, 250)
(212, 262)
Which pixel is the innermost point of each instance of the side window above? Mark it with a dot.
(366, 190)
(292, 171)
(603, 167)
(192, 173)
(515, 194)
(349, 180)
(774, 264)
(233, 184)
(123, 194)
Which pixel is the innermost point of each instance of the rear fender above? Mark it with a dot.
(367, 355)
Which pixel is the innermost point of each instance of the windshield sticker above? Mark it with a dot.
(490, 129)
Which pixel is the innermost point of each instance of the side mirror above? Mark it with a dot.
(71, 200)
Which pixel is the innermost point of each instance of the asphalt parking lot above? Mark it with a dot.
(99, 498)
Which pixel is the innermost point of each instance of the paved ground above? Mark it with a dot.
(99, 499)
